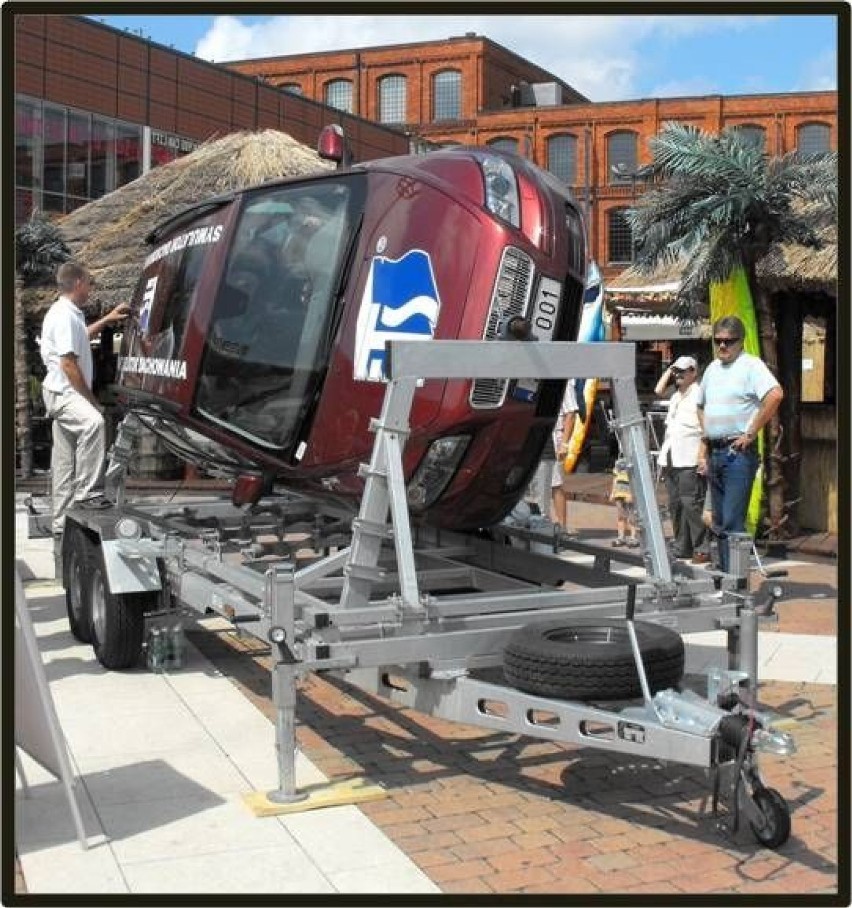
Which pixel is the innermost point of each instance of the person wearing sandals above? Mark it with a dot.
(625, 517)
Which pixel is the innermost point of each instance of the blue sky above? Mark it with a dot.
(607, 58)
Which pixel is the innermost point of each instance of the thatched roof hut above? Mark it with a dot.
(107, 235)
(786, 267)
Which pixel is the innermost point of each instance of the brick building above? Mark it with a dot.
(96, 107)
(471, 90)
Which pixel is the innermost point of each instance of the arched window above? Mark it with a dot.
(562, 158)
(621, 156)
(293, 87)
(392, 91)
(446, 95)
(338, 93)
(749, 134)
(620, 237)
(813, 138)
(504, 143)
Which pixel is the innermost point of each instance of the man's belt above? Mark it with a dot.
(717, 444)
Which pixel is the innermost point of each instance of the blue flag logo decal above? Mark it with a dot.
(400, 302)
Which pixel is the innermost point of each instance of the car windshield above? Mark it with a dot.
(268, 341)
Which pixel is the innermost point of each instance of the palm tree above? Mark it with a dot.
(720, 204)
(39, 248)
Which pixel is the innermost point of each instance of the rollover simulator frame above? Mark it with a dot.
(421, 616)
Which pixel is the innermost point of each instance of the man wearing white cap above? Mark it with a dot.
(679, 457)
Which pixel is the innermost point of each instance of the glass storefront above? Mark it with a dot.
(65, 158)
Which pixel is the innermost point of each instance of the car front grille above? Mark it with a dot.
(510, 298)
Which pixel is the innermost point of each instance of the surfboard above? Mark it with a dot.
(733, 297)
(591, 330)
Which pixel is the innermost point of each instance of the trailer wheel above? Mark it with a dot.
(75, 569)
(553, 659)
(118, 621)
(776, 818)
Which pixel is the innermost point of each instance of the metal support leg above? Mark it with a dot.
(742, 641)
(281, 596)
(19, 766)
(748, 644)
(129, 429)
(631, 427)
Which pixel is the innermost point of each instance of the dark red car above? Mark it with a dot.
(260, 321)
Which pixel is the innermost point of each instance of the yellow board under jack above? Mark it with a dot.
(321, 794)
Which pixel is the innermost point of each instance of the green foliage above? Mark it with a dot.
(721, 202)
(39, 250)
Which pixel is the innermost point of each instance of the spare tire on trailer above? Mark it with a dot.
(594, 662)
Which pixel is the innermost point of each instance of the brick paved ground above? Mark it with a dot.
(486, 812)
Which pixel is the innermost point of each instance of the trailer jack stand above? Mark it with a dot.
(287, 798)
(312, 797)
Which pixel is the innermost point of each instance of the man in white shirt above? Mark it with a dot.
(77, 457)
(679, 458)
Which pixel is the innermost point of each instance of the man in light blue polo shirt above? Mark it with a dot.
(739, 395)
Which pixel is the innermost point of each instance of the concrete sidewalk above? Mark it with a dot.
(164, 761)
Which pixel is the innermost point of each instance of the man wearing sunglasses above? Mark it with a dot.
(739, 395)
(679, 459)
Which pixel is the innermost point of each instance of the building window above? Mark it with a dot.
(813, 138)
(293, 87)
(103, 156)
(446, 95)
(749, 134)
(28, 132)
(128, 153)
(562, 158)
(339, 94)
(392, 91)
(53, 152)
(620, 237)
(65, 157)
(504, 143)
(621, 156)
(77, 153)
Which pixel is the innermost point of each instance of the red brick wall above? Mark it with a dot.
(488, 72)
(71, 61)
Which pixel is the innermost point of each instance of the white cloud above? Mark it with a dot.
(600, 56)
(820, 74)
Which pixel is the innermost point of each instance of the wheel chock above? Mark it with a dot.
(321, 794)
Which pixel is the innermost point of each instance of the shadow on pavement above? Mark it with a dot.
(151, 793)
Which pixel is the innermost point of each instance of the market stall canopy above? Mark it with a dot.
(107, 235)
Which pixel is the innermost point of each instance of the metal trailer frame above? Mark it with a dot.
(422, 616)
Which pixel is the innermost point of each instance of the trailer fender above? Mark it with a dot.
(127, 573)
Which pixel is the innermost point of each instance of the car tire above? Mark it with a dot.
(595, 662)
(76, 564)
(118, 621)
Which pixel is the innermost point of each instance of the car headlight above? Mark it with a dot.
(437, 468)
(501, 189)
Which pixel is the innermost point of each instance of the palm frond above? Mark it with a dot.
(39, 249)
